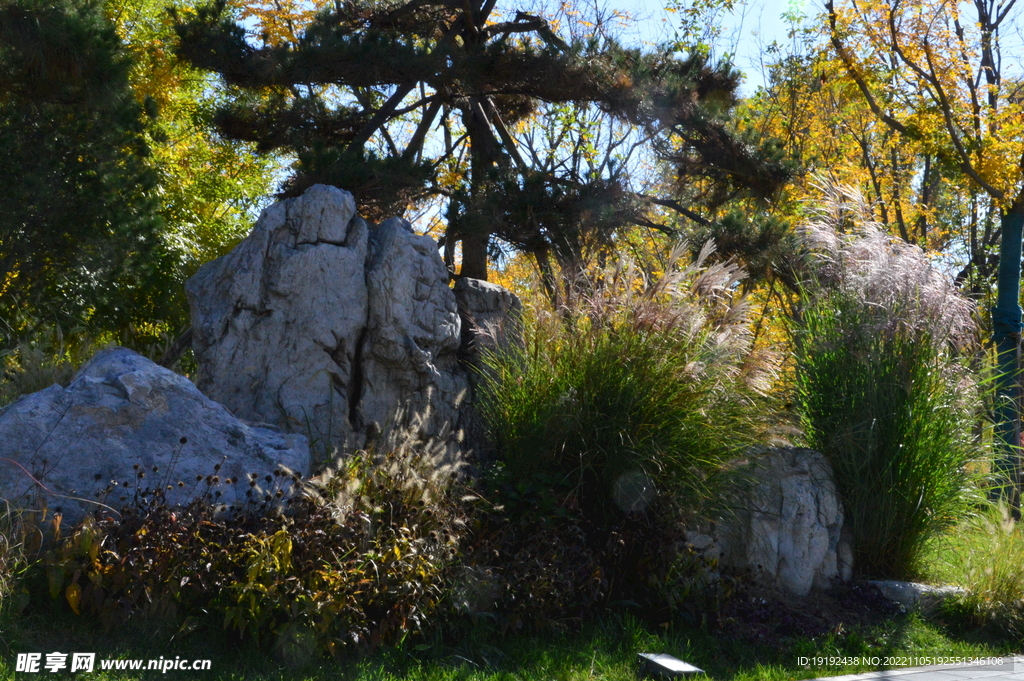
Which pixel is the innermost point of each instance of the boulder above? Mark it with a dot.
(410, 357)
(788, 529)
(491, 318)
(126, 427)
(278, 322)
(323, 324)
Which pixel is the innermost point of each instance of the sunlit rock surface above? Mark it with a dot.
(126, 426)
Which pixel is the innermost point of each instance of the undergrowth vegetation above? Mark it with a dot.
(359, 559)
(14, 561)
(983, 555)
(615, 419)
(49, 357)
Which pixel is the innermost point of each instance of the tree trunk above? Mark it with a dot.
(1006, 330)
(474, 256)
(484, 151)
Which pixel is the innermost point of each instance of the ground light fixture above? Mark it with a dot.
(659, 665)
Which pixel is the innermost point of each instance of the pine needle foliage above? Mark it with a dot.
(883, 388)
(639, 389)
(357, 96)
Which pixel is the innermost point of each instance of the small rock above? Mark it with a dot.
(914, 596)
(700, 542)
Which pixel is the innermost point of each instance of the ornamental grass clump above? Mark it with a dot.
(883, 388)
(13, 562)
(638, 391)
(983, 555)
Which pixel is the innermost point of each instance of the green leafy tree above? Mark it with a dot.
(79, 230)
(210, 187)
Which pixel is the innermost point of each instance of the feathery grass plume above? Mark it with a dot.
(639, 387)
(847, 250)
(399, 466)
(882, 385)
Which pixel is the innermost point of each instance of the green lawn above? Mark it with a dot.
(604, 650)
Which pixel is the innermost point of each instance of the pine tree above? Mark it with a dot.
(334, 96)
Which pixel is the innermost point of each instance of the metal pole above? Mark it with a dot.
(1006, 331)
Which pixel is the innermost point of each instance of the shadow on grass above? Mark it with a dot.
(604, 649)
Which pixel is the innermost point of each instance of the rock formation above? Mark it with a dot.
(278, 322)
(410, 356)
(124, 426)
(491, 318)
(317, 324)
(789, 530)
(321, 323)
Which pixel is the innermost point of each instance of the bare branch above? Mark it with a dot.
(416, 143)
(507, 27)
(510, 144)
(382, 115)
(677, 207)
(1006, 10)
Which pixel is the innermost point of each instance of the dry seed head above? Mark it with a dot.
(846, 249)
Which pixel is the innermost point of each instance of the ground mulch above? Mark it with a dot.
(767, 616)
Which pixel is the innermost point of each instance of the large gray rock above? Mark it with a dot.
(322, 324)
(278, 322)
(83, 447)
(788, 530)
(410, 357)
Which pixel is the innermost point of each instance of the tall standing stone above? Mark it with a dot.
(788, 529)
(327, 326)
(410, 357)
(278, 320)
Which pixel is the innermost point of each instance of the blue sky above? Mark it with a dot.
(753, 24)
